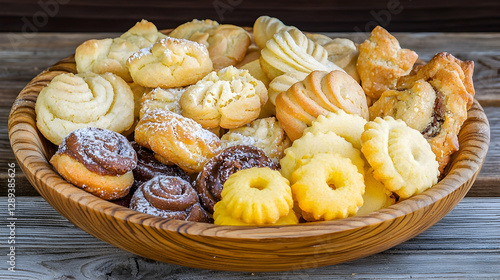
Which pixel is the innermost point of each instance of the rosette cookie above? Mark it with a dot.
(71, 101)
(97, 160)
(228, 98)
(176, 140)
(170, 63)
(110, 55)
(218, 169)
(169, 197)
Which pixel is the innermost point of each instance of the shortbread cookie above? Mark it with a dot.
(318, 94)
(400, 156)
(328, 186)
(348, 126)
(376, 196)
(310, 144)
(72, 101)
(227, 44)
(265, 27)
(170, 63)
(381, 62)
(162, 98)
(255, 196)
(228, 98)
(290, 51)
(263, 133)
(176, 140)
(110, 55)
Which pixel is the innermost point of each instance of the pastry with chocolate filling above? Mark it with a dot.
(148, 167)
(218, 169)
(169, 197)
(433, 99)
(97, 160)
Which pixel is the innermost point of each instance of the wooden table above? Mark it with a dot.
(463, 245)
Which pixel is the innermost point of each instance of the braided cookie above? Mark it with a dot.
(310, 144)
(176, 140)
(169, 197)
(318, 94)
(228, 98)
(97, 160)
(110, 55)
(255, 196)
(400, 156)
(327, 187)
(263, 133)
(348, 126)
(72, 101)
(227, 44)
(170, 63)
(382, 61)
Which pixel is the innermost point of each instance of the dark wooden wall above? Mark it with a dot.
(340, 15)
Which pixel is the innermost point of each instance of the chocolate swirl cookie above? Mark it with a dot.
(169, 197)
(218, 169)
(148, 167)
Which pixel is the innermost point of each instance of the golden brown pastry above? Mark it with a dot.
(434, 99)
(318, 94)
(162, 98)
(176, 140)
(381, 62)
(72, 101)
(227, 44)
(170, 63)
(110, 55)
(228, 98)
(97, 160)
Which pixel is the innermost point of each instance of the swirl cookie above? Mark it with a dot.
(265, 27)
(318, 94)
(400, 156)
(169, 197)
(227, 44)
(110, 55)
(97, 160)
(381, 62)
(72, 101)
(217, 170)
(176, 140)
(255, 196)
(170, 63)
(228, 98)
(263, 133)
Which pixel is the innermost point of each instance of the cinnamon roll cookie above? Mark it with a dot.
(169, 197)
(97, 160)
(72, 101)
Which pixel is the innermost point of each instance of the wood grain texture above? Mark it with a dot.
(241, 248)
(23, 58)
(338, 15)
(465, 244)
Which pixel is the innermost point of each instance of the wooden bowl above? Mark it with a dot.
(208, 246)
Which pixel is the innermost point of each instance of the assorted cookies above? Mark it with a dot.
(212, 123)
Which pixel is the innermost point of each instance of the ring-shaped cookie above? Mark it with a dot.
(327, 187)
(401, 157)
